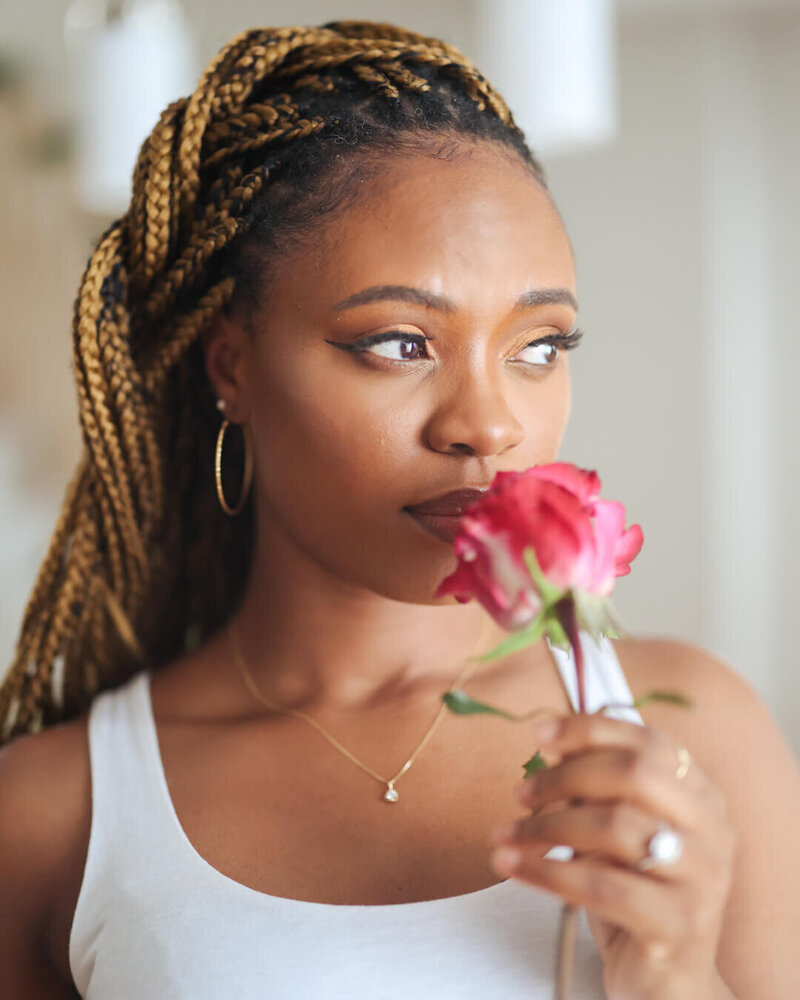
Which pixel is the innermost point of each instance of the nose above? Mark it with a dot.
(475, 419)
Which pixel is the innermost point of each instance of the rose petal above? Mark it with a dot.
(579, 540)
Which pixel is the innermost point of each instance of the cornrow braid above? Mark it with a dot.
(143, 563)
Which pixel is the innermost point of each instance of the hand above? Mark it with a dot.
(657, 930)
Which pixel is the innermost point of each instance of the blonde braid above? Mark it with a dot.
(142, 558)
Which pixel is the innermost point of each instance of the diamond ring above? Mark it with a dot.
(664, 848)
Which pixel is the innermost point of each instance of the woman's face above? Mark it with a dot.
(345, 439)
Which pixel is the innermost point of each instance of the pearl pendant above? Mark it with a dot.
(390, 795)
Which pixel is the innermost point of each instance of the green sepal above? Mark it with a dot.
(614, 626)
(536, 763)
(461, 703)
(550, 594)
(526, 636)
(558, 636)
(596, 615)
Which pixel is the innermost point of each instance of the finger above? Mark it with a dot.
(578, 734)
(616, 774)
(614, 831)
(575, 734)
(649, 910)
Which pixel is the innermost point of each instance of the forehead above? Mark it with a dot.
(478, 229)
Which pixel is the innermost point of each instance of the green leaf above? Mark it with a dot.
(536, 763)
(461, 703)
(526, 636)
(671, 697)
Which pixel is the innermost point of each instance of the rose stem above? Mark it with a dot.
(567, 927)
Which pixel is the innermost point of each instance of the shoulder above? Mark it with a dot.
(722, 701)
(714, 688)
(729, 730)
(45, 817)
(654, 663)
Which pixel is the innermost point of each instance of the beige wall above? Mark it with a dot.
(684, 388)
(686, 238)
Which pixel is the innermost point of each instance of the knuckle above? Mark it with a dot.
(607, 890)
(536, 826)
(654, 742)
(699, 916)
(617, 821)
(635, 768)
(658, 951)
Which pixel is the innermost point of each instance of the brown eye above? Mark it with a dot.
(393, 345)
(541, 354)
(545, 350)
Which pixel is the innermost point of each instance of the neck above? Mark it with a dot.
(309, 639)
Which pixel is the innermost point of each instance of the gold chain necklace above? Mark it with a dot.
(390, 794)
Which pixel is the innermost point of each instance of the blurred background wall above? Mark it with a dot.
(685, 224)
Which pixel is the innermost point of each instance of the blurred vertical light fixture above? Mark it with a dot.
(554, 62)
(129, 60)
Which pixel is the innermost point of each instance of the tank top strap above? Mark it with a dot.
(605, 681)
(124, 771)
(126, 820)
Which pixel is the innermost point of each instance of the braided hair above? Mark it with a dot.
(143, 564)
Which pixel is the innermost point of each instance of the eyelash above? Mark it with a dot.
(564, 341)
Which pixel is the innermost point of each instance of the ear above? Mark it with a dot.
(226, 346)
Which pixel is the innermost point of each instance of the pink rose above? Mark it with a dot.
(579, 541)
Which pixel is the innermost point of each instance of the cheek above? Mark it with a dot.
(336, 460)
(553, 408)
(334, 476)
(317, 439)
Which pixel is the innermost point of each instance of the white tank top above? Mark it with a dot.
(154, 919)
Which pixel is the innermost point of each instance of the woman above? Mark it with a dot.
(341, 266)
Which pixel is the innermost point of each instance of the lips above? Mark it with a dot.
(441, 515)
(445, 528)
(451, 504)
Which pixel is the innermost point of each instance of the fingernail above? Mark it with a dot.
(503, 833)
(546, 728)
(506, 859)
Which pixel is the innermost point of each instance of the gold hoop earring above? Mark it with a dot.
(248, 469)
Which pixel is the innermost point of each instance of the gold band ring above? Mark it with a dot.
(684, 760)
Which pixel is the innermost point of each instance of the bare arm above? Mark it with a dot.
(737, 743)
(32, 854)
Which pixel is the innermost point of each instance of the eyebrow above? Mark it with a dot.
(418, 296)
